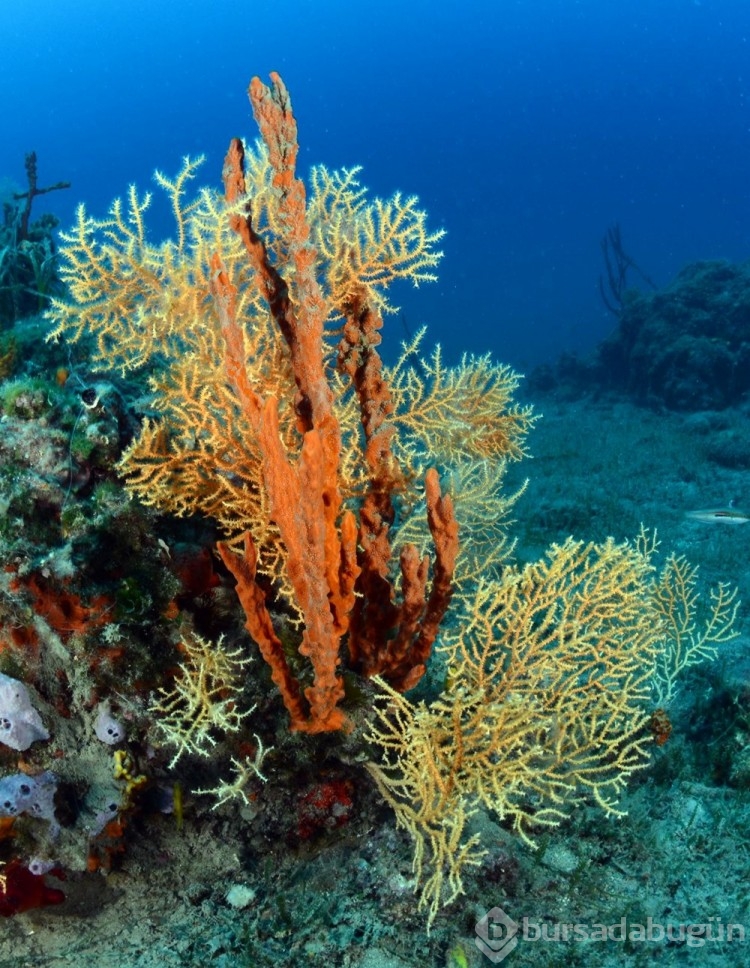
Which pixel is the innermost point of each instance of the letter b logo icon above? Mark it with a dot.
(496, 935)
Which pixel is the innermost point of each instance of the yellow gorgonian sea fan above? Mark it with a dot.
(136, 298)
(449, 413)
(461, 419)
(203, 701)
(368, 243)
(552, 672)
(546, 704)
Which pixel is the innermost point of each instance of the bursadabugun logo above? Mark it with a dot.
(497, 934)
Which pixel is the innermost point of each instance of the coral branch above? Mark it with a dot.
(388, 639)
(405, 674)
(304, 333)
(305, 515)
(260, 625)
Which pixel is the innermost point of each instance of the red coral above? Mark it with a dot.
(325, 806)
(21, 637)
(20, 890)
(63, 610)
(661, 727)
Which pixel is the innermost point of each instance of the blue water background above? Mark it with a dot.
(526, 128)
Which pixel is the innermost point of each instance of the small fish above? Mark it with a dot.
(722, 515)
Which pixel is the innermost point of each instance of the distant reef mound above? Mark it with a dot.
(685, 347)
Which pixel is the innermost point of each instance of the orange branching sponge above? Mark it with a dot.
(336, 591)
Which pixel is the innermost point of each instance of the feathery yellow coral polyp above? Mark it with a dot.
(551, 677)
(366, 243)
(687, 642)
(115, 274)
(203, 699)
(430, 407)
